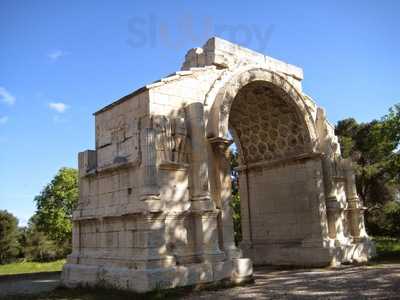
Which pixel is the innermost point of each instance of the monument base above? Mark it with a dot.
(77, 275)
(288, 255)
(357, 251)
(310, 254)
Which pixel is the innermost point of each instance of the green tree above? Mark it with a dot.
(375, 147)
(55, 205)
(38, 246)
(235, 202)
(9, 246)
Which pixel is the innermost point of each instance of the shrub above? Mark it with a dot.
(9, 246)
(40, 248)
(384, 221)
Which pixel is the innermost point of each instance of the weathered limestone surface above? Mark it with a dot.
(154, 195)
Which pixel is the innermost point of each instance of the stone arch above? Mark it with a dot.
(279, 182)
(218, 117)
(266, 125)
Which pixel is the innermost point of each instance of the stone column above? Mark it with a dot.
(355, 209)
(210, 247)
(150, 193)
(199, 189)
(73, 258)
(331, 201)
(245, 208)
(222, 154)
(329, 146)
(202, 207)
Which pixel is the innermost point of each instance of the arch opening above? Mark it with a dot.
(266, 125)
(278, 214)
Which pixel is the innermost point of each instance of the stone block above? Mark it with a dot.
(87, 162)
(242, 270)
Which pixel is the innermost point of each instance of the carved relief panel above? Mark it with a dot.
(170, 139)
(118, 142)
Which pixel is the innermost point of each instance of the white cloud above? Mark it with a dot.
(3, 120)
(6, 97)
(58, 106)
(56, 55)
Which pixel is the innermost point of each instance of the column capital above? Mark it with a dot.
(221, 145)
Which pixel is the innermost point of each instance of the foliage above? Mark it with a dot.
(235, 202)
(55, 205)
(237, 225)
(22, 239)
(48, 235)
(385, 221)
(38, 246)
(31, 267)
(375, 148)
(387, 249)
(9, 246)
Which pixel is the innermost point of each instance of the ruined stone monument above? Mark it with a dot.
(154, 195)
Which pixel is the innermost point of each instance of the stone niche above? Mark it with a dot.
(154, 208)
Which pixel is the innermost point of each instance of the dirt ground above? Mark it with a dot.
(362, 282)
(351, 282)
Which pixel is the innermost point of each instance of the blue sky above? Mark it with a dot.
(62, 60)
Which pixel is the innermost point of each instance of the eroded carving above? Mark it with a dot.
(119, 143)
(171, 135)
(179, 134)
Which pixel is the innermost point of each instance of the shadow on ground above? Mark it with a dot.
(352, 282)
(380, 281)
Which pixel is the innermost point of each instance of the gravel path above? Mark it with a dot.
(29, 283)
(361, 282)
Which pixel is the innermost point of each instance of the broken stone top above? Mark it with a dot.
(224, 54)
(218, 54)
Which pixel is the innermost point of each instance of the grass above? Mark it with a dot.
(387, 250)
(31, 267)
